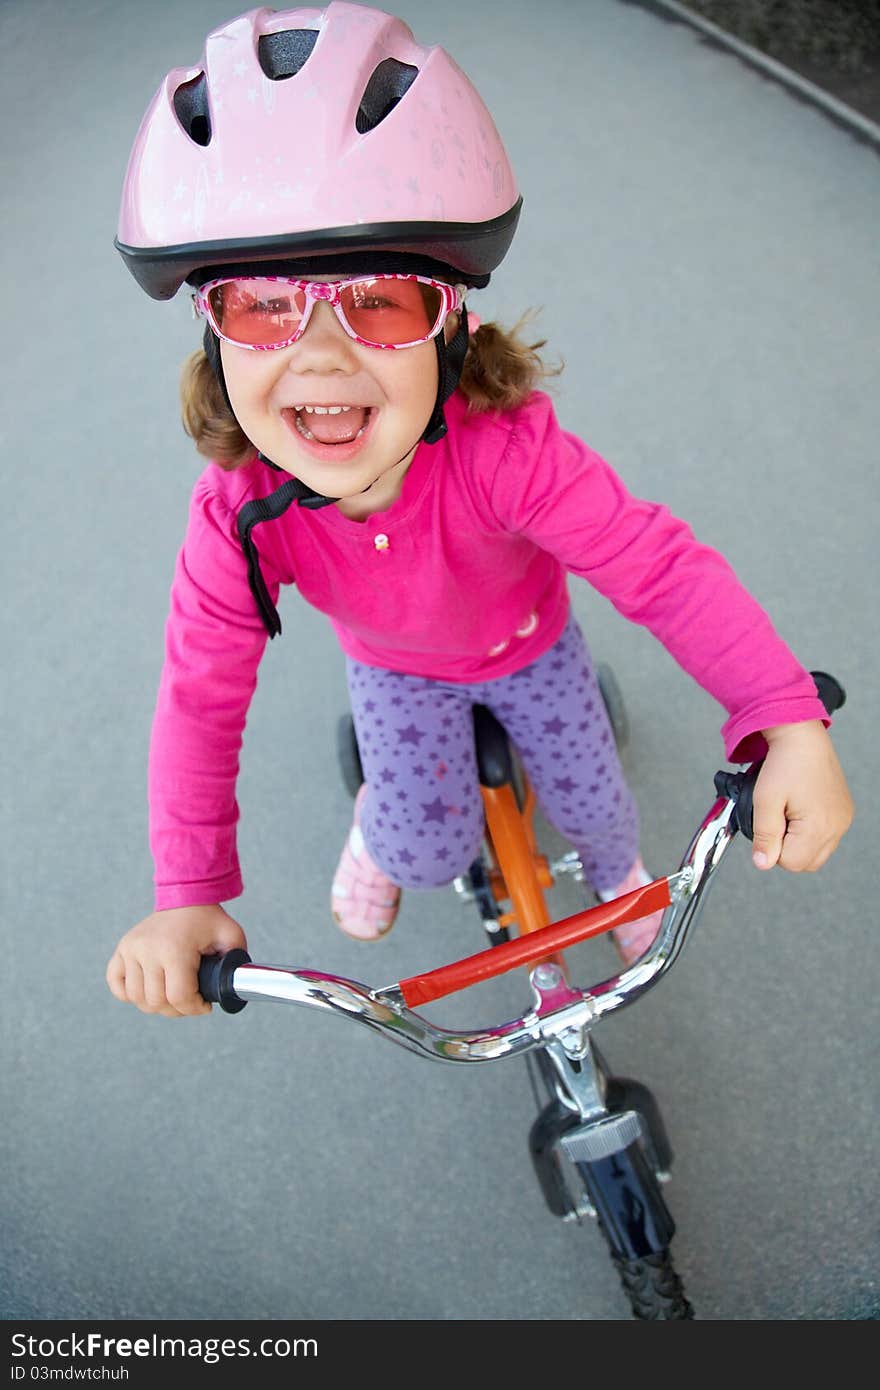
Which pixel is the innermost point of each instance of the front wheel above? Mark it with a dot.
(612, 697)
(654, 1290)
(348, 755)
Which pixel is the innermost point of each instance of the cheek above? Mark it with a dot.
(249, 377)
(415, 377)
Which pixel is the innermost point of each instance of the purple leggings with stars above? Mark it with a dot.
(422, 816)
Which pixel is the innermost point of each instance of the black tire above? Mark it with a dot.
(613, 700)
(654, 1290)
(348, 755)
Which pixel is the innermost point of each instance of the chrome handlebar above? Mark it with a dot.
(559, 1010)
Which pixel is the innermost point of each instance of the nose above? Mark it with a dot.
(324, 346)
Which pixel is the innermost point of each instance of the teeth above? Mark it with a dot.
(307, 433)
(323, 409)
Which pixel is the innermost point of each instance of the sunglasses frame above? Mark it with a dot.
(327, 292)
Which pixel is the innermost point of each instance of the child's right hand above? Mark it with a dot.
(156, 964)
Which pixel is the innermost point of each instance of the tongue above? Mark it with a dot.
(336, 429)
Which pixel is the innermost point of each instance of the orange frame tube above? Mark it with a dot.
(514, 848)
(522, 868)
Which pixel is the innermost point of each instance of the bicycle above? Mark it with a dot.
(598, 1145)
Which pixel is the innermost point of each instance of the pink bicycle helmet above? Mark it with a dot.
(308, 132)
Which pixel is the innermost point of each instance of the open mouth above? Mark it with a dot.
(331, 424)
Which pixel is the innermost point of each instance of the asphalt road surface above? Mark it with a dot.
(701, 246)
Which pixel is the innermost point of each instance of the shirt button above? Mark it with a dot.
(381, 542)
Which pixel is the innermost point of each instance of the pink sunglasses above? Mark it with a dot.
(264, 312)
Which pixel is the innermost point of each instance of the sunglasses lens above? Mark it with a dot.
(388, 312)
(384, 310)
(257, 312)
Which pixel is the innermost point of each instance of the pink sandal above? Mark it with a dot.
(364, 901)
(633, 939)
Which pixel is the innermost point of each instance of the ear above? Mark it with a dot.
(450, 328)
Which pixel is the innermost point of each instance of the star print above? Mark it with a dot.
(564, 784)
(435, 810)
(555, 725)
(388, 776)
(405, 857)
(411, 735)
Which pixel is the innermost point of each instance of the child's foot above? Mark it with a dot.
(633, 939)
(363, 900)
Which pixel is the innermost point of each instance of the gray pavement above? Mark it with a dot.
(702, 247)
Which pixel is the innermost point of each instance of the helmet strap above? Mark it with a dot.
(211, 349)
(450, 362)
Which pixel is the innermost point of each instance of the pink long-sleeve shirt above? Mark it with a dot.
(462, 578)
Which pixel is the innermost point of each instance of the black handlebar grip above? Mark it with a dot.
(740, 786)
(215, 979)
(829, 690)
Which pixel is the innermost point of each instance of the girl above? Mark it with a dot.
(331, 191)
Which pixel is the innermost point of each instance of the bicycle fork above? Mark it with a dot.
(599, 1146)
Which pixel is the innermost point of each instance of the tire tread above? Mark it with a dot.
(653, 1287)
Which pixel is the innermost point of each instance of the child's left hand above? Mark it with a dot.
(802, 805)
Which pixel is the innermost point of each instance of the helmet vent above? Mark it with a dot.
(282, 55)
(390, 81)
(191, 106)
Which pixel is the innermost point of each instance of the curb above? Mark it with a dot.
(862, 127)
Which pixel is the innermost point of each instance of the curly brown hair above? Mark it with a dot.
(500, 372)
